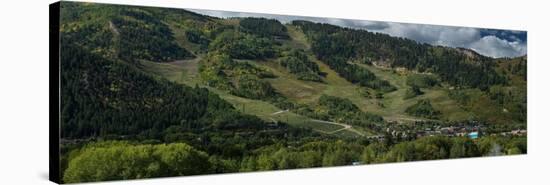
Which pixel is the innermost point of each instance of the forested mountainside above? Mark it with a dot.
(140, 84)
(337, 46)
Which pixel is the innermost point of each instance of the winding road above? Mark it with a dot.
(345, 126)
(333, 123)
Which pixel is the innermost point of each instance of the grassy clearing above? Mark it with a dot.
(485, 108)
(186, 72)
(346, 133)
(298, 39)
(324, 127)
(181, 71)
(179, 36)
(395, 104)
(309, 92)
(305, 91)
(265, 111)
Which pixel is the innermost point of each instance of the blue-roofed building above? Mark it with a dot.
(473, 135)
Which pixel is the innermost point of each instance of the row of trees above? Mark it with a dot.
(123, 160)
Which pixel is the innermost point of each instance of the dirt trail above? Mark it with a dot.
(346, 127)
(113, 28)
(405, 119)
(279, 112)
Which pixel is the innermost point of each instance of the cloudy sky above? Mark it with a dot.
(489, 42)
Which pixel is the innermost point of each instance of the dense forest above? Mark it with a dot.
(264, 27)
(124, 33)
(337, 46)
(152, 92)
(103, 97)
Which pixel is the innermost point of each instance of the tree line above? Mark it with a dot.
(125, 160)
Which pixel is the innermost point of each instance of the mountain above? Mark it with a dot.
(238, 60)
(237, 90)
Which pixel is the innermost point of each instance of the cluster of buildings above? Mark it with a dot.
(471, 131)
(519, 132)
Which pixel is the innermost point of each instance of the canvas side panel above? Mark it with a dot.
(54, 11)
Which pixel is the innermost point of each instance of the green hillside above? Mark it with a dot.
(249, 94)
(288, 73)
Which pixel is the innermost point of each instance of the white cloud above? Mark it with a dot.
(465, 37)
(439, 35)
(496, 47)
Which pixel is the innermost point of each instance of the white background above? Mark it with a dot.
(24, 91)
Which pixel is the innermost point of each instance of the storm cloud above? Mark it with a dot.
(488, 42)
